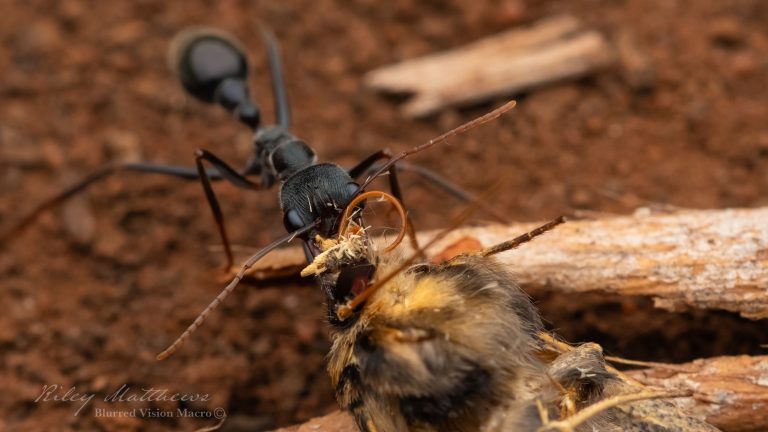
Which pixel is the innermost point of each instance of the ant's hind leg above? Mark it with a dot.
(451, 188)
(282, 108)
(232, 176)
(104, 172)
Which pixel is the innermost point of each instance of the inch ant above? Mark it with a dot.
(212, 67)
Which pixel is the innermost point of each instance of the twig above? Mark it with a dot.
(710, 259)
(551, 50)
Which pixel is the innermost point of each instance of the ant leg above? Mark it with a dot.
(186, 173)
(394, 187)
(104, 172)
(366, 164)
(282, 109)
(450, 188)
(436, 179)
(232, 176)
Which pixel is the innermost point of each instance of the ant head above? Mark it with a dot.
(212, 67)
(317, 193)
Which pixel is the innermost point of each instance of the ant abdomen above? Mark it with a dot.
(212, 67)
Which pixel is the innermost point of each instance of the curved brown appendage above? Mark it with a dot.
(376, 194)
(344, 311)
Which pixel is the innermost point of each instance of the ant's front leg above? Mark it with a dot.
(232, 176)
(394, 186)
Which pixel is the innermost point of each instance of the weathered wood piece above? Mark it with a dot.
(728, 392)
(709, 259)
(551, 50)
(337, 421)
(636, 65)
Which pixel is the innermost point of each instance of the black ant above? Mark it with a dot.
(313, 196)
(213, 68)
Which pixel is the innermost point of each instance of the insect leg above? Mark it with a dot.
(107, 170)
(366, 164)
(394, 186)
(282, 109)
(450, 188)
(232, 176)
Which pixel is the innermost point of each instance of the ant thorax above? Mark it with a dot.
(278, 154)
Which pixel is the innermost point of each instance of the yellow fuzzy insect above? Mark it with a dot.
(431, 346)
(457, 346)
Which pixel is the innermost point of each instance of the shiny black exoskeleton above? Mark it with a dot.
(213, 68)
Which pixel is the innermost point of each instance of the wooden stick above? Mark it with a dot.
(728, 392)
(504, 64)
(711, 259)
(636, 65)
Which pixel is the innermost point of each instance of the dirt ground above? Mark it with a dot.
(94, 290)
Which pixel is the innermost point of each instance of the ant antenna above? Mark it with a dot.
(525, 238)
(345, 218)
(229, 288)
(282, 109)
(439, 140)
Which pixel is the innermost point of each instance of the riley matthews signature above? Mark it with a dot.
(57, 393)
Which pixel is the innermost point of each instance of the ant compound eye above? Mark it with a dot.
(292, 221)
(203, 58)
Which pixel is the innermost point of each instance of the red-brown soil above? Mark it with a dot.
(94, 290)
